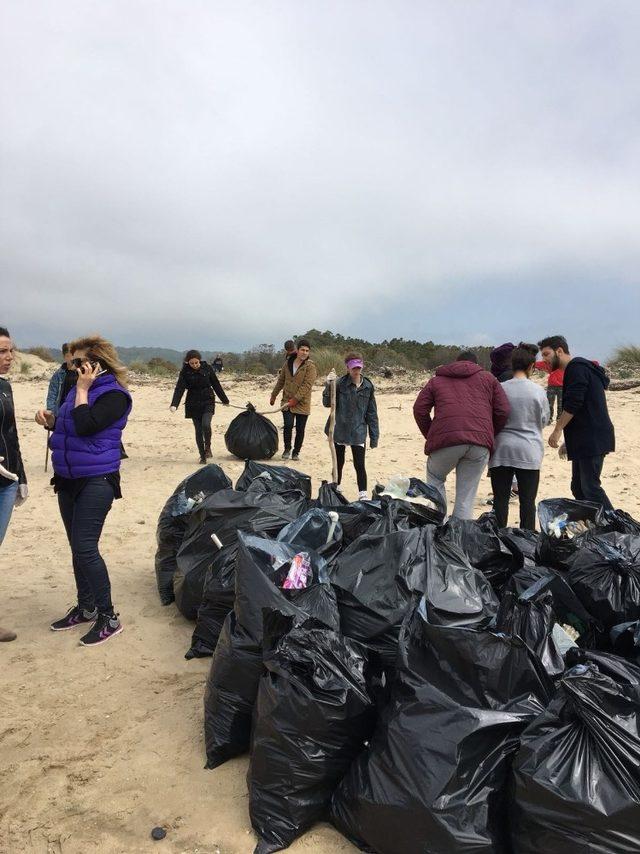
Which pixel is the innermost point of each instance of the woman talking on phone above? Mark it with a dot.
(85, 452)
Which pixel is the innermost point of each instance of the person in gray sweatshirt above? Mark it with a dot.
(519, 448)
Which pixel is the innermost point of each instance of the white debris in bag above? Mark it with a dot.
(398, 487)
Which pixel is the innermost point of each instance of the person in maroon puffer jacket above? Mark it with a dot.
(471, 408)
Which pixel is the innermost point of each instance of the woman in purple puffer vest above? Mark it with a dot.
(85, 452)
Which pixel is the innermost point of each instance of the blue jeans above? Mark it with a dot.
(7, 500)
(83, 516)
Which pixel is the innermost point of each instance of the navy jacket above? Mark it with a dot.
(356, 411)
(590, 432)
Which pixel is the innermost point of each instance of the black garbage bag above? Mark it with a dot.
(531, 617)
(316, 529)
(433, 778)
(276, 478)
(251, 436)
(329, 496)
(625, 640)
(312, 718)
(374, 579)
(479, 540)
(218, 595)
(411, 502)
(261, 568)
(174, 519)
(568, 608)
(522, 544)
(623, 523)
(224, 514)
(576, 787)
(357, 518)
(605, 575)
(377, 576)
(556, 552)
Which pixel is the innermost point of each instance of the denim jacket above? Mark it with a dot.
(356, 411)
(56, 384)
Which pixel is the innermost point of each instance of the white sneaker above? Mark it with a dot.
(363, 496)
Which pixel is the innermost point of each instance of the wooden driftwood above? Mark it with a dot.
(624, 385)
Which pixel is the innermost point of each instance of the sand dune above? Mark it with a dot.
(99, 745)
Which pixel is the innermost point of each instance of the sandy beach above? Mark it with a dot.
(97, 746)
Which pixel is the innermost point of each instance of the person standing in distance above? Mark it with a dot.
(588, 431)
(13, 481)
(356, 414)
(295, 380)
(202, 385)
(61, 382)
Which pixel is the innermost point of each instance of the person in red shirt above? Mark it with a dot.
(554, 387)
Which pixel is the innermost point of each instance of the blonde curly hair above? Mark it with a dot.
(100, 350)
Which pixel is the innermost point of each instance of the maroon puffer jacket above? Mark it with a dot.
(471, 407)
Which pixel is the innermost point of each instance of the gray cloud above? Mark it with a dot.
(232, 172)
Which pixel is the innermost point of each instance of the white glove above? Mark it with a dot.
(22, 495)
(173, 408)
(5, 472)
(331, 376)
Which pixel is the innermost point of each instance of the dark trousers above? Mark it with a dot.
(83, 515)
(554, 395)
(301, 423)
(202, 425)
(585, 481)
(357, 453)
(528, 481)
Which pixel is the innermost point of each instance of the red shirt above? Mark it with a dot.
(556, 378)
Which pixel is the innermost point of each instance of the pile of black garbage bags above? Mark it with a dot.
(429, 687)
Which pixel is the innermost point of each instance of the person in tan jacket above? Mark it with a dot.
(295, 380)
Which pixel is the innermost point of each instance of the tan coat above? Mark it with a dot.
(298, 387)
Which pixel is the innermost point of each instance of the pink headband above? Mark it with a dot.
(354, 363)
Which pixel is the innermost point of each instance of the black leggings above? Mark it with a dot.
(202, 424)
(357, 451)
(528, 481)
(83, 516)
(301, 423)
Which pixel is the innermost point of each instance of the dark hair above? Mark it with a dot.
(555, 342)
(303, 342)
(289, 345)
(65, 348)
(192, 354)
(523, 357)
(4, 333)
(351, 356)
(467, 356)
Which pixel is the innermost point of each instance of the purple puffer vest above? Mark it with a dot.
(76, 456)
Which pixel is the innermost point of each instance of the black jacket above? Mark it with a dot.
(200, 386)
(9, 445)
(590, 432)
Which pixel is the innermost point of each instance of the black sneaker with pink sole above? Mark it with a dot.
(76, 616)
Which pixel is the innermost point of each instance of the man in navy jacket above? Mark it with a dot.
(588, 432)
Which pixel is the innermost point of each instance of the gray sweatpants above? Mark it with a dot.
(469, 461)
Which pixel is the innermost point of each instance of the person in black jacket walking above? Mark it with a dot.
(588, 432)
(202, 385)
(13, 482)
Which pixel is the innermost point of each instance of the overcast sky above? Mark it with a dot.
(221, 174)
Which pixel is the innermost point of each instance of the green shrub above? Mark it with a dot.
(628, 356)
(257, 369)
(41, 352)
(161, 367)
(25, 369)
(138, 367)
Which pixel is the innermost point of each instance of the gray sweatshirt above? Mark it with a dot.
(519, 444)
